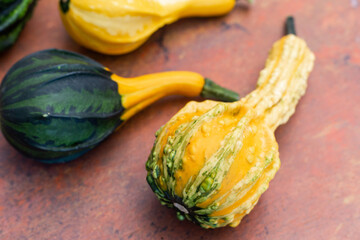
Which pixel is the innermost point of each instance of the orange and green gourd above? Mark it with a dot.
(121, 26)
(213, 160)
(55, 105)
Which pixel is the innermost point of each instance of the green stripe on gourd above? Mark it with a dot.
(14, 13)
(224, 156)
(13, 16)
(181, 141)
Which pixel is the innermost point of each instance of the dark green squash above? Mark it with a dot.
(50, 111)
(13, 16)
(55, 105)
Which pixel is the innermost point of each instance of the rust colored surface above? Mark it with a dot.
(104, 195)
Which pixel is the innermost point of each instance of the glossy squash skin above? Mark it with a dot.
(55, 105)
(212, 160)
(13, 16)
(121, 26)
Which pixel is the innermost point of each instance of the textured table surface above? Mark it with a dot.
(104, 195)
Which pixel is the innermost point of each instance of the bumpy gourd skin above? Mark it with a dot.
(121, 26)
(212, 161)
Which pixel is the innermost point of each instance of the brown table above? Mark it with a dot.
(104, 195)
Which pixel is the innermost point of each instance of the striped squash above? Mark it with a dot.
(13, 16)
(212, 161)
(55, 105)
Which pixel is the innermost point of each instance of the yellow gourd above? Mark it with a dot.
(121, 26)
(212, 160)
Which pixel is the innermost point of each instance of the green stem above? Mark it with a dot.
(64, 5)
(212, 90)
(290, 25)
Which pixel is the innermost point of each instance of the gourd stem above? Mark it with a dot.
(214, 91)
(64, 5)
(290, 26)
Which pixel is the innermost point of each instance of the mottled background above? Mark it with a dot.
(104, 195)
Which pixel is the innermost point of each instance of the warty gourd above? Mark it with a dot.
(212, 160)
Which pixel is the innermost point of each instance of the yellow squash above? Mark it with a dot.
(121, 26)
(212, 160)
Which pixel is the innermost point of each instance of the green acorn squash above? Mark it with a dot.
(13, 16)
(55, 105)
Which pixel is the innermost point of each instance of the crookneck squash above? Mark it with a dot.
(121, 26)
(55, 105)
(13, 16)
(212, 160)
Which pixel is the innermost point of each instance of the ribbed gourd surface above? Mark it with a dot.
(212, 161)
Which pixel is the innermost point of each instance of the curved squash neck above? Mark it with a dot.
(139, 92)
(282, 82)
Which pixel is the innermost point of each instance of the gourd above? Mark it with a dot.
(56, 105)
(121, 26)
(13, 16)
(212, 160)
